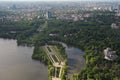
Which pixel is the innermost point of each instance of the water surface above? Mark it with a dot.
(16, 63)
(76, 61)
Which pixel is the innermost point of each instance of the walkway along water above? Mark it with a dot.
(56, 61)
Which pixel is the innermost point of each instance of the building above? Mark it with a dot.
(115, 26)
(48, 15)
(116, 8)
(109, 54)
(119, 8)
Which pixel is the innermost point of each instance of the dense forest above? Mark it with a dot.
(22, 30)
(92, 35)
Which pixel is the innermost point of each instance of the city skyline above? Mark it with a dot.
(56, 0)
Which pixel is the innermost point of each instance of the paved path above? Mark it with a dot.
(55, 64)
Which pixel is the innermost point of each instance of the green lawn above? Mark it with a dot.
(57, 53)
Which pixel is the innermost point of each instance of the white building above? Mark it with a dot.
(114, 26)
(109, 54)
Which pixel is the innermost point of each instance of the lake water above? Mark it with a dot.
(76, 61)
(16, 63)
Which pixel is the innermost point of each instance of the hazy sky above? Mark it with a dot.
(59, 0)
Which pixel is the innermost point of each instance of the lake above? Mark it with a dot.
(76, 61)
(16, 63)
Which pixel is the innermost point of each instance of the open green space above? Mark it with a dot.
(58, 53)
(54, 57)
(49, 49)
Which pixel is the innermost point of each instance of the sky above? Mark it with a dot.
(58, 0)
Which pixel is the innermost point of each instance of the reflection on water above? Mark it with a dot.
(16, 63)
(76, 61)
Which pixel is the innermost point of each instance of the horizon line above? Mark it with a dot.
(60, 1)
